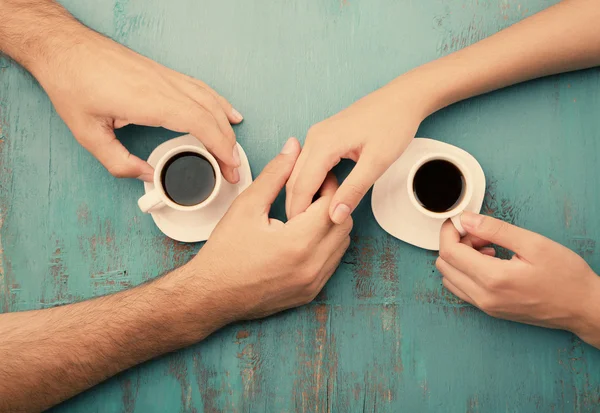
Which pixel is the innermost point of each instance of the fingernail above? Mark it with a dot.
(146, 177)
(340, 213)
(236, 156)
(236, 175)
(237, 116)
(470, 220)
(288, 147)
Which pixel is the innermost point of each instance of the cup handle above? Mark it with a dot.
(458, 225)
(150, 201)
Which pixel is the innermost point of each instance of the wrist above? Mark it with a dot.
(587, 323)
(449, 79)
(420, 90)
(35, 33)
(200, 308)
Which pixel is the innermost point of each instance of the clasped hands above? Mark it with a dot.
(98, 86)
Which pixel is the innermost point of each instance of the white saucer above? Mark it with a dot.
(392, 207)
(196, 226)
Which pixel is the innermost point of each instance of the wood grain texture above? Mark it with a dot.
(383, 335)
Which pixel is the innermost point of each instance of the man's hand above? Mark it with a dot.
(260, 265)
(544, 284)
(251, 266)
(98, 85)
(373, 132)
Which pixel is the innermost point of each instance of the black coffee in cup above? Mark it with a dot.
(188, 178)
(438, 185)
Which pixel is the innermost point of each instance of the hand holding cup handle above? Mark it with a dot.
(458, 225)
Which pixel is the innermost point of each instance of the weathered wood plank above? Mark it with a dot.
(384, 335)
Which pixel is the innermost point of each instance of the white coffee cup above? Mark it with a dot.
(461, 203)
(157, 198)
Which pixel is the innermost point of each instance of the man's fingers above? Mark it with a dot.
(364, 174)
(488, 251)
(304, 154)
(100, 140)
(229, 173)
(209, 102)
(524, 243)
(315, 219)
(184, 83)
(306, 180)
(272, 179)
(223, 113)
(336, 234)
(329, 186)
(465, 258)
(193, 119)
(232, 114)
(332, 263)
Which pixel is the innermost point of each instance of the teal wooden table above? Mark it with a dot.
(383, 335)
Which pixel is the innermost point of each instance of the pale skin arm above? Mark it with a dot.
(562, 38)
(375, 130)
(252, 266)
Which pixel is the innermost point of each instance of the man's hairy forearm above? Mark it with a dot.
(33, 31)
(50, 355)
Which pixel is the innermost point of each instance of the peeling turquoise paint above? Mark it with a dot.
(383, 335)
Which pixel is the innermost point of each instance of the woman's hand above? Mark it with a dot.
(544, 284)
(373, 132)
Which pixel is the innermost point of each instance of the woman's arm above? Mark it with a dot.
(562, 38)
(375, 130)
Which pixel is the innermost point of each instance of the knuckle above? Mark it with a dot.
(346, 243)
(308, 297)
(119, 170)
(299, 188)
(270, 171)
(289, 185)
(312, 277)
(315, 292)
(540, 245)
(224, 103)
(494, 227)
(308, 280)
(240, 205)
(438, 264)
(488, 303)
(299, 251)
(212, 104)
(386, 157)
(446, 254)
(202, 93)
(494, 283)
(346, 226)
(314, 131)
(356, 189)
(245, 202)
